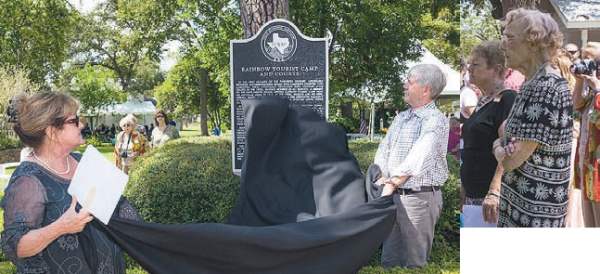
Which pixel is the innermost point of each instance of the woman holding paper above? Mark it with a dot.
(130, 143)
(41, 222)
(479, 173)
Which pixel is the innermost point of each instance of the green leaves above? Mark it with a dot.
(125, 36)
(185, 181)
(477, 26)
(371, 39)
(35, 36)
(95, 87)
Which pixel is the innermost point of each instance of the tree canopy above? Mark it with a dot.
(123, 36)
(35, 36)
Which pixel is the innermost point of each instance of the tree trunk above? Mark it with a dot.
(372, 122)
(203, 102)
(256, 13)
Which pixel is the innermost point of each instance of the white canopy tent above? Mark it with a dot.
(452, 76)
(143, 110)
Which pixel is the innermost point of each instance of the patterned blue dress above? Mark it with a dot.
(535, 193)
(34, 198)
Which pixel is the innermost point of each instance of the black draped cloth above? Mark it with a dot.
(296, 166)
(301, 209)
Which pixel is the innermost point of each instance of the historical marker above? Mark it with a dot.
(278, 60)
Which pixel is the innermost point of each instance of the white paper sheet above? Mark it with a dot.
(473, 217)
(98, 184)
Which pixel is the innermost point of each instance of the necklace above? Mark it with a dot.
(484, 100)
(46, 165)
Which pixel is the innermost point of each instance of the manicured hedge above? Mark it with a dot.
(186, 181)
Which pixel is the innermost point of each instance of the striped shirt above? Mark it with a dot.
(416, 146)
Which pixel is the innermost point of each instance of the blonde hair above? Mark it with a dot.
(541, 30)
(34, 113)
(562, 62)
(590, 50)
(129, 119)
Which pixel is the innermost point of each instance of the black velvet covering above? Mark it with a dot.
(297, 168)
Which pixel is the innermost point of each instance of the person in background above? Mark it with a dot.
(468, 97)
(86, 131)
(573, 51)
(130, 143)
(42, 228)
(586, 100)
(163, 131)
(454, 138)
(113, 131)
(480, 173)
(147, 132)
(513, 79)
(536, 145)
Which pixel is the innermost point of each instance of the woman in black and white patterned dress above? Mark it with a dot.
(536, 147)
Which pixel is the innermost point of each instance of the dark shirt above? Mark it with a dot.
(478, 133)
(35, 198)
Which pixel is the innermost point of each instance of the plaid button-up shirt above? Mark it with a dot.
(416, 145)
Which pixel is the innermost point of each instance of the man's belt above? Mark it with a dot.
(408, 191)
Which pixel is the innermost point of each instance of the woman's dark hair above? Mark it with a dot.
(160, 111)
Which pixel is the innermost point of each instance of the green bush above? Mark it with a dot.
(94, 141)
(364, 151)
(8, 143)
(349, 124)
(185, 181)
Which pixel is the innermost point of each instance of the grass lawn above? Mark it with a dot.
(106, 149)
(190, 130)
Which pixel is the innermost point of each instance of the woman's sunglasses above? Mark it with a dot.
(74, 121)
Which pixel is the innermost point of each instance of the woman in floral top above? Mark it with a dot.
(536, 147)
(130, 143)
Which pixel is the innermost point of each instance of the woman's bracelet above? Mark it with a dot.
(491, 193)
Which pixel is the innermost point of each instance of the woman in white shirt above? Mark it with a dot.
(163, 130)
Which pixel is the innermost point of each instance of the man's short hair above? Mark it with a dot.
(429, 75)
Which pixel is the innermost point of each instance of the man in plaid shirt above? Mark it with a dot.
(412, 158)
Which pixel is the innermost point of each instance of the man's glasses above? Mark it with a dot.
(160, 116)
(572, 52)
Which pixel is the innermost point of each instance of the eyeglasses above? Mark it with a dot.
(572, 52)
(74, 121)
(160, 116)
